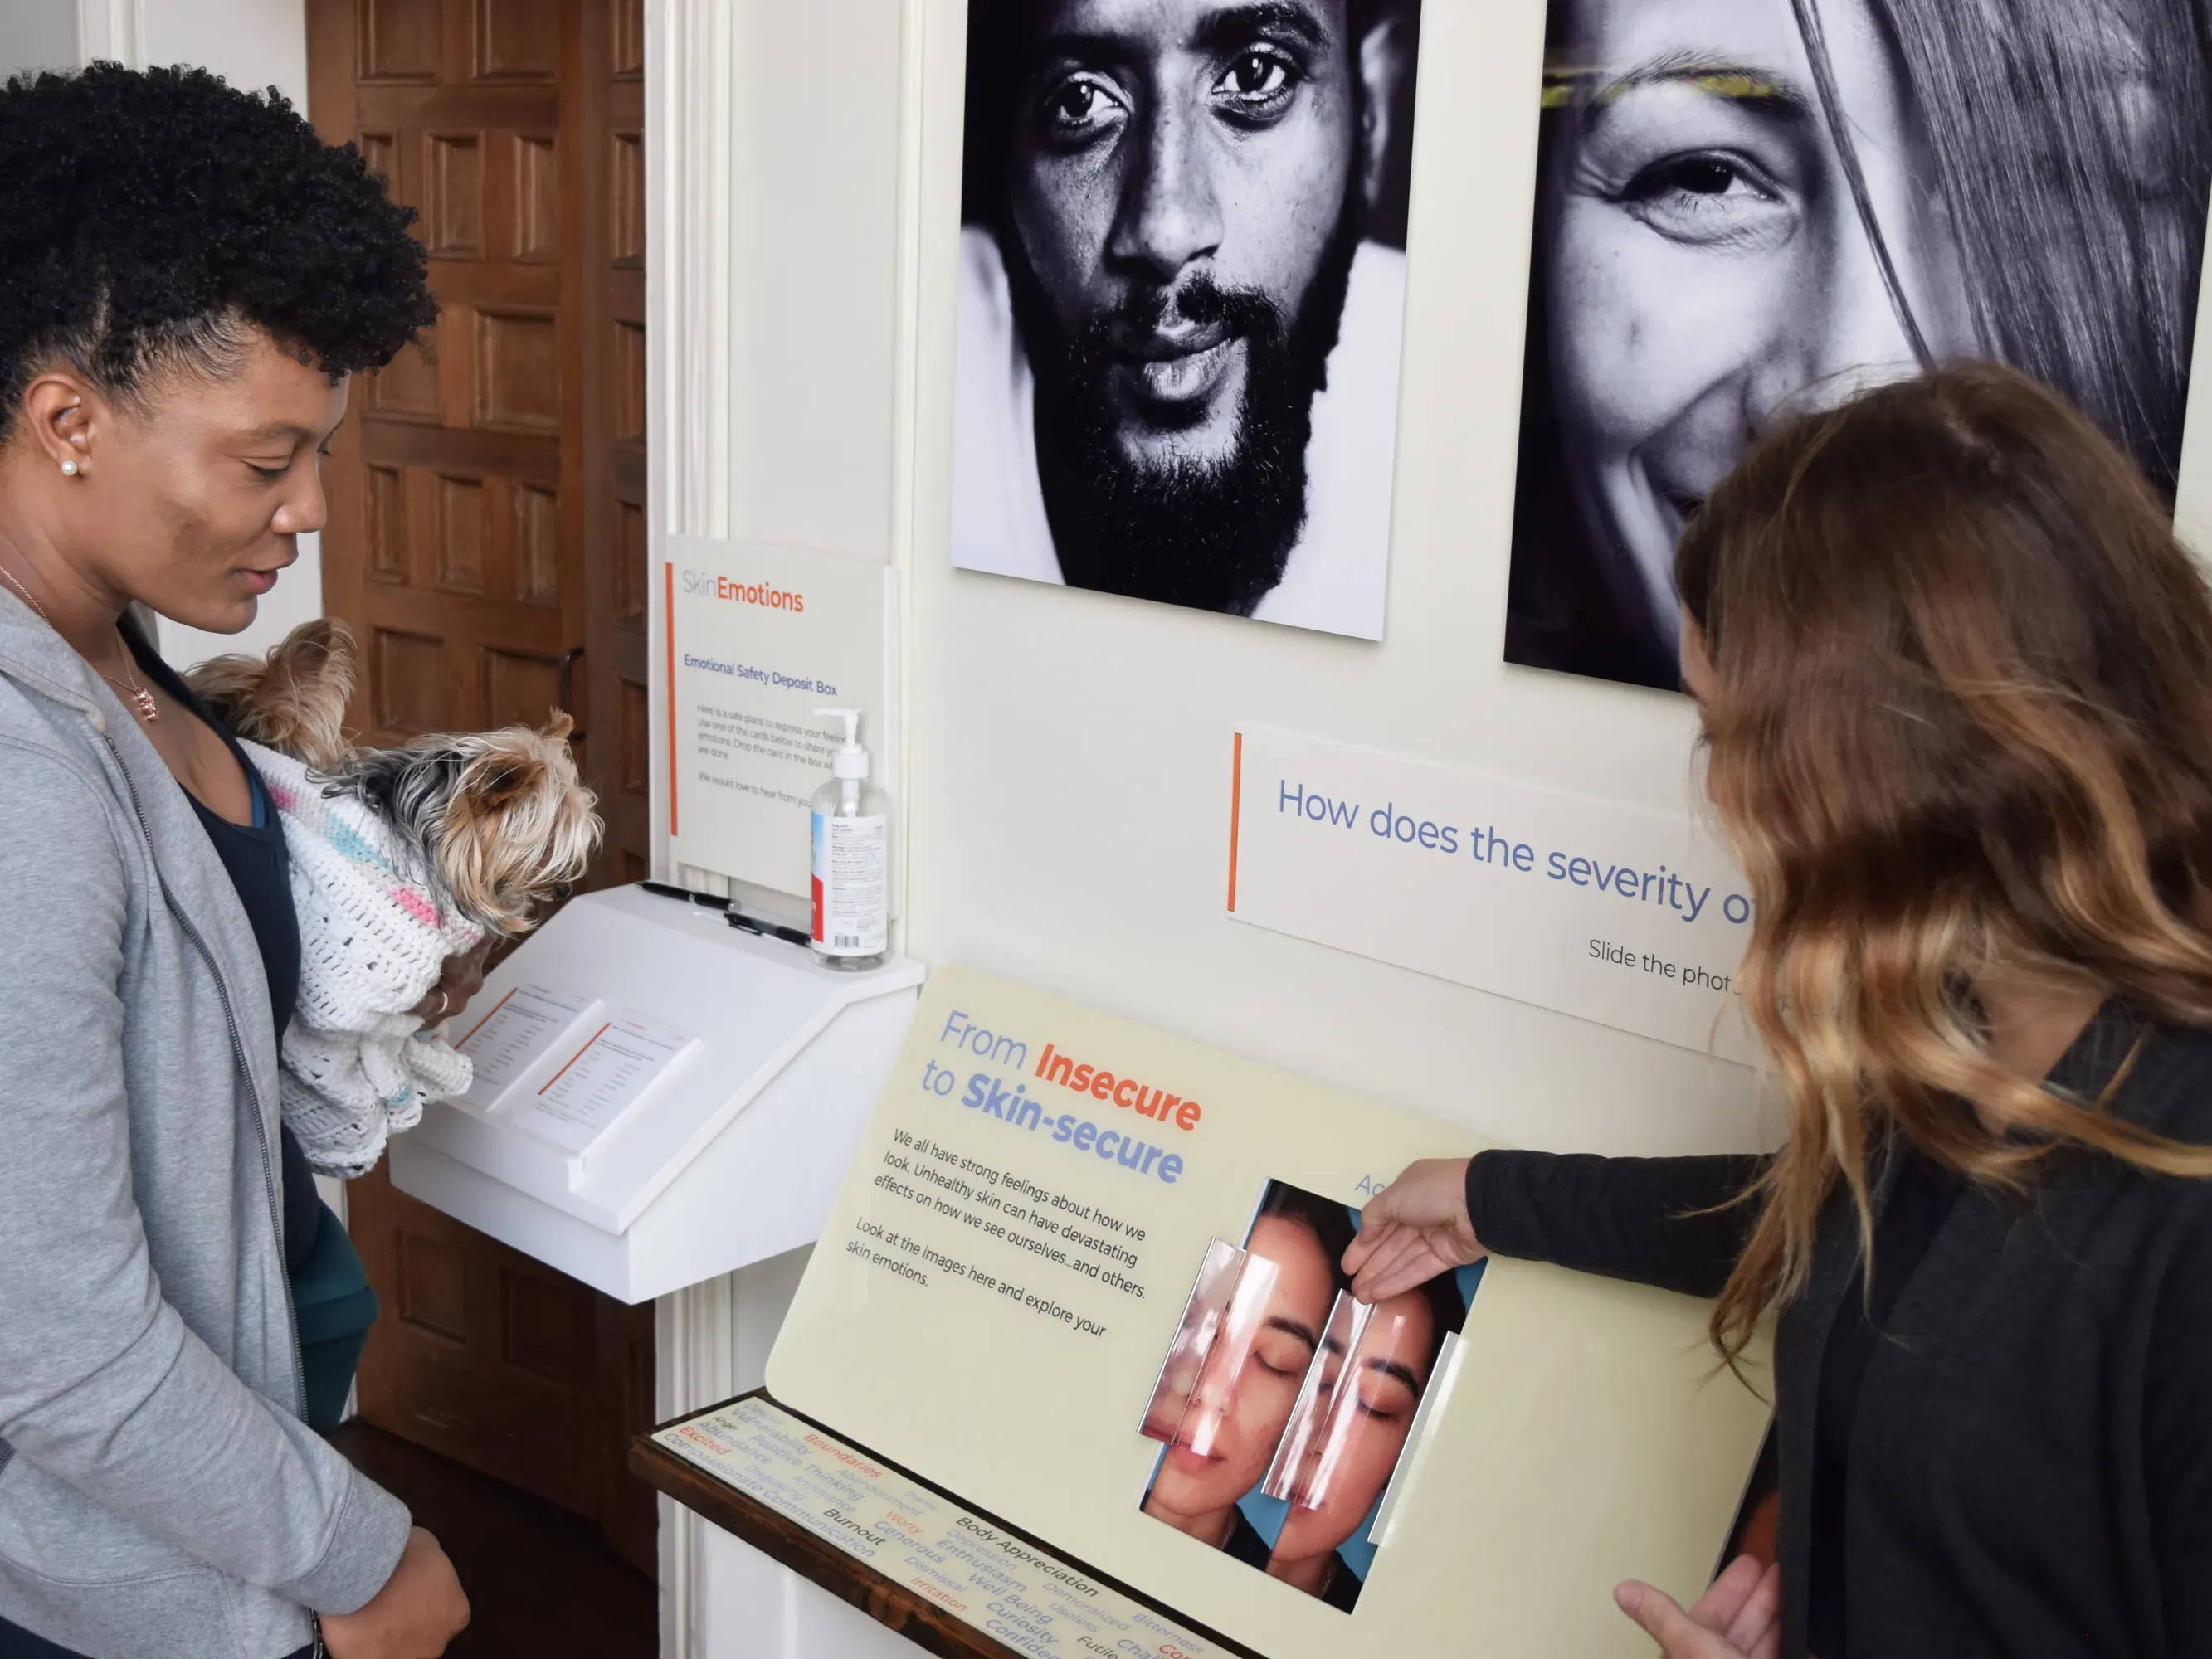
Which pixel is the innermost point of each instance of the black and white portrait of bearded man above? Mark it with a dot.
(1179, 334)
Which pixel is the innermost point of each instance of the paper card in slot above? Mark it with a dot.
(508, 1041)
(611, 1073)
(1202, 1316)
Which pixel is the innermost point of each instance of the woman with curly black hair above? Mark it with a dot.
(188, 279)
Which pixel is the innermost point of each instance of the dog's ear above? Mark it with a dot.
(324, 649)
(297, 703)
(503, 781)
(558, 728)
(226, 683)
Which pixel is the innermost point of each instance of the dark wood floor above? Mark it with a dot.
(541, 1581)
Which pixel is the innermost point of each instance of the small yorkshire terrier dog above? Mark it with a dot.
(400, 858)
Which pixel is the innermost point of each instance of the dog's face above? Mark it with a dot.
(501, 817)
(519, 826)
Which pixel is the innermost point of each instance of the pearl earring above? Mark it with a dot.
(68, 469)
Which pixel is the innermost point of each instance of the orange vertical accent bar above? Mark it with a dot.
(578, 1055)
(1236, 814)
(486, 1020)
(668, 610)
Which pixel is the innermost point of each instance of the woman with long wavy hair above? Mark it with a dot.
(1954, 671)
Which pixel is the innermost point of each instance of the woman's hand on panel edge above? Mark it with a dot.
(1740, 1617)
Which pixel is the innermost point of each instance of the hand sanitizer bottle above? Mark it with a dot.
(852, 857)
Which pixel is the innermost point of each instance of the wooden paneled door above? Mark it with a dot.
(487, 544)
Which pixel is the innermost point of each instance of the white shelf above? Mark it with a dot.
(732, 1158)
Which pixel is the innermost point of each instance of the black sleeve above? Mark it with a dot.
(2178, 1460)
(1666, 1222)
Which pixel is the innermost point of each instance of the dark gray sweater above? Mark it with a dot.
(2031, 1457)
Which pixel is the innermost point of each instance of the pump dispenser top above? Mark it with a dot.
(851, 760)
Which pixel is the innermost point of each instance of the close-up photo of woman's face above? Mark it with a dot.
(1249, 1379)
(1748, 209)
(1285, 1403)
(1709, 262)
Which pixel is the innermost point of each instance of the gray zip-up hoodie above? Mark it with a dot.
(160, 1495)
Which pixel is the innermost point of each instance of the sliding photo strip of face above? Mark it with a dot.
(1207, 1418)
(1244, 1388)
(1372, 1384)
(1348, 1322)
(1202, 1319)
(1366, 1383)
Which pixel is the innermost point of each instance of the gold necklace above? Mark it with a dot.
(141, 699)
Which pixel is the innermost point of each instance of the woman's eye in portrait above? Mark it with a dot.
(1258, 83)
(1383, 1395)
(1331, 1366)
(1080, 108)
(1280, 1354)
(1709, 196)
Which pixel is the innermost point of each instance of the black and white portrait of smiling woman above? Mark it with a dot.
(1747, 206)
(1180, 294)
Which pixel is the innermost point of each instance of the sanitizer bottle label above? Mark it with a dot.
(850, 900)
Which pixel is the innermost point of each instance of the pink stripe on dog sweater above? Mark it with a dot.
(416, 905)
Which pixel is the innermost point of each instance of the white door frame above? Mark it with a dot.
(112, 29)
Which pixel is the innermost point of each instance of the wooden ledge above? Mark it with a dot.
(889, 1603)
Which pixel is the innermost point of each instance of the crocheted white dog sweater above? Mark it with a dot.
(374, 934)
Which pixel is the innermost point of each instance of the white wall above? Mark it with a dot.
(250, 43)
(253, 43)
(1065, 811)
(774, 168)
(1093, 865)
(1063, 818)
(37, 34)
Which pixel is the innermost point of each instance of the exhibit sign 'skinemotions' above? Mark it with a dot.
(1181, 300)
(1747, 206)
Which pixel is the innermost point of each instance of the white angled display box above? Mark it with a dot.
(660, 1098)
